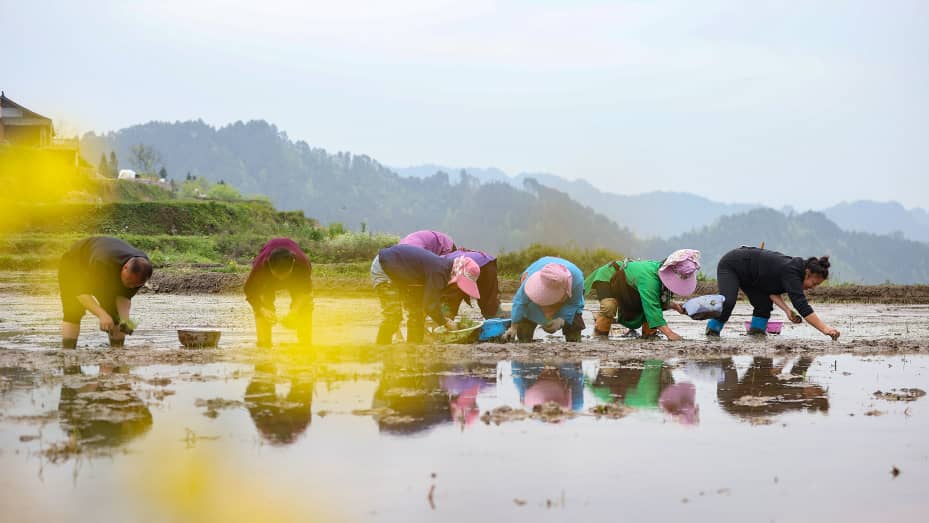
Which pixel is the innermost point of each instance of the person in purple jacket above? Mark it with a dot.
(281, 265)
(487, 284)
(413, 278)
(436, 242)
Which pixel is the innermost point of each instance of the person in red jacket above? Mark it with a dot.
(281, 265)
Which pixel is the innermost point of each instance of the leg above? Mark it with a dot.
(69, 334)
(72, 312)
(525, 329)
(489, 287)
(573, 331)
(263, 331)
(391, 309)
(728, 281)
(305, 322)
(412, 297)
(609, 306)
(761, 301)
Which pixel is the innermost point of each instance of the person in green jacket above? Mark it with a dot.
(636, 293)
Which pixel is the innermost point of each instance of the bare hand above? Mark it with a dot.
(553, 326)
(106, 323)
(794, 317)
(678, 307)
(510, 334)
(673, 336)
(832, 333)
(267, 315)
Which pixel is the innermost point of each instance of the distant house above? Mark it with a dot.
(20, 126)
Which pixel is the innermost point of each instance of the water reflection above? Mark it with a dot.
(414, 395)
(100, 409)
(767, 388)
(539, 384)
(463, 384)
(280, 417)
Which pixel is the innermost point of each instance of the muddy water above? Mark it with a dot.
(402, 439)
(782, 429)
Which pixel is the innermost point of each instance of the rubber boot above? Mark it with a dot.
(68, 343)
(758, 326)
(714, 327)
(117, 343)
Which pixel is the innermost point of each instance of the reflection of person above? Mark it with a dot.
(412, 391)
(279, 420)
(100, 275)
(551, 295)
(639, 291)
(281, 265)
(436, 242)
(763, 276)
(636, 384)
(409, 277)
(539, 384)
(104, 411)
(679, 400)
(463, 387)
(765, 380)
(487, 285)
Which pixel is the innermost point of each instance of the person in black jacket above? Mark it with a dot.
(761, 274)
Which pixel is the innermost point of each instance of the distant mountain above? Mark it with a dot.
(257, 158)
(856, 256)
(677, 212)
(881, 218)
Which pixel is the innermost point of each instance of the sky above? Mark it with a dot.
(793, 103)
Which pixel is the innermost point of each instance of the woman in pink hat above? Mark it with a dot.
(639, 292)
(551, 296)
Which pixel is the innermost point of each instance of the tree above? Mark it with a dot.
(103, 168)
(114, 165)
(221, 191)
(144, 158)
(163, 173)
(189, 177)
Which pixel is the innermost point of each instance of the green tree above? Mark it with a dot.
(103, 167)
(163, 173)
(224, 192)
(144, 159)
(114, 165)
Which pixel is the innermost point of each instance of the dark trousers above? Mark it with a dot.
(302, 323)
(393, 300)
(525, 329)
(734, 273)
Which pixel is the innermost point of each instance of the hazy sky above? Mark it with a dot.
(802, 103)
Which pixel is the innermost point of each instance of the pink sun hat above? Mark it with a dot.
(549, 285)
(679, 271)
(465, 273)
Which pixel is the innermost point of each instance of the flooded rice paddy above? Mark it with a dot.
(788, 428)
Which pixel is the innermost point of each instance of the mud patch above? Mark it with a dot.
(904, 394)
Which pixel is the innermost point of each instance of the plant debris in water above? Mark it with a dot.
(904, 394)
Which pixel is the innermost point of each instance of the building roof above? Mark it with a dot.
(36, 118)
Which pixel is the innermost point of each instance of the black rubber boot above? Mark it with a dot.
(68, 343)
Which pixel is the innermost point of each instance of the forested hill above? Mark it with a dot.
(257, 158)
(856, 256)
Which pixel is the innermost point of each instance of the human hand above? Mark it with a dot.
(794, 317)
(678, 307)
(127, 326)
(832, 333)
(267, 315)
(673, 336)
(553, 326)
(510, 334)
(106, 323)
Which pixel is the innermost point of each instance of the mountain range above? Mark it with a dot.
(686, 212)
(486, 209)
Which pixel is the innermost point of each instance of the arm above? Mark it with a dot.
(90, 303)
(813, 319)
(781, 304)
(123, 305)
